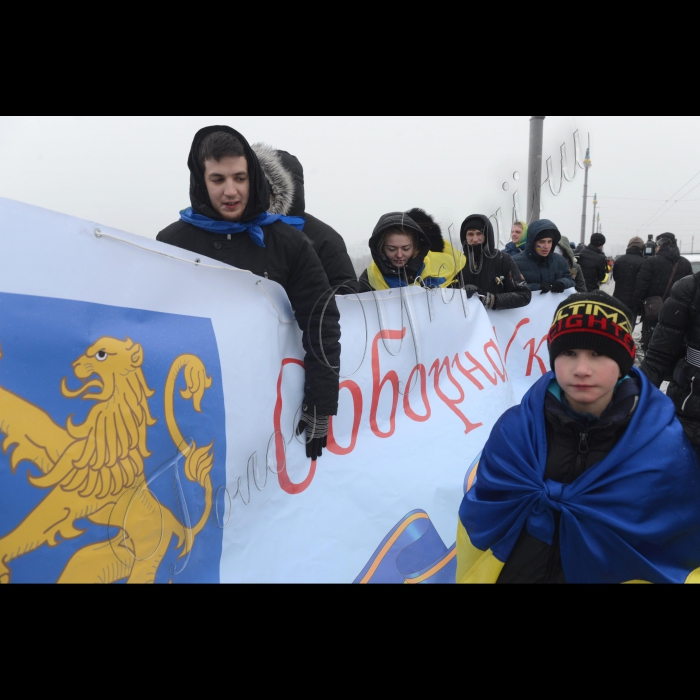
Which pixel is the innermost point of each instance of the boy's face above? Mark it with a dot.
(228, 185)
(588, 380)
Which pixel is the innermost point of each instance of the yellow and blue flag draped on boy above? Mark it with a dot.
(440, 270)
(635, 516)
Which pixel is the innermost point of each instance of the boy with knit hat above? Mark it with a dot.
(596, 481)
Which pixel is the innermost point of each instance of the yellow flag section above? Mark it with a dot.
(441, 270)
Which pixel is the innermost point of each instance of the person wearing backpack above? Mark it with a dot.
(675, 348)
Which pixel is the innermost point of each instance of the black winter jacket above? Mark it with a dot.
(285, 175)
(625, 274)
(288, 259)
(677, 330)
(492, 271)
(576, 444)
(652, 280)
(538, 270)
(595, 267)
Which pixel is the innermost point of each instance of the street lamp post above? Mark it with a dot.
(534, 173)
(595, 207)
(588, 165)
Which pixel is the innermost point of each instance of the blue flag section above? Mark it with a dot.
(113, 422)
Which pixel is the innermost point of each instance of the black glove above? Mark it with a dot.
(471, 290)
(559, 287)
(545, 288)
(489, 301)
(316, 434)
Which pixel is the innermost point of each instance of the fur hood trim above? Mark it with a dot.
(282, 185)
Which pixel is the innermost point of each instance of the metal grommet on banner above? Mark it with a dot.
(98, 233)
(197, 261)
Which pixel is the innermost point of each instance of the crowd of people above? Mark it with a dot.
(566, 490)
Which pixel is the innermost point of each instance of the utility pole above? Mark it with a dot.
(692, 246)
(588, 165)
(600, 228)
(534, 173)
(595, 206)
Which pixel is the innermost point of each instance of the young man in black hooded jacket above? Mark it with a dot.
(489, 272)
(228, 221)
(285, 175)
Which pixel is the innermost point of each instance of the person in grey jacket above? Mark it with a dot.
(543, 269)
(564, 249)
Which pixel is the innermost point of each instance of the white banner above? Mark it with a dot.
(117, 351)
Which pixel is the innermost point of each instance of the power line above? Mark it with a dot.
(671, 198)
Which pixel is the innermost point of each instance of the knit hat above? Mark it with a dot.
(594, 321)
(666, 238)
(598, 240)
(636, 242)
(474, 223)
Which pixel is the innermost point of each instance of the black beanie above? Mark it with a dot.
(598, 240)
(474, 223)
(594, 321)
(666, 238)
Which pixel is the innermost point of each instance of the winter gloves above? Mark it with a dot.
(557, 288)
(317, 428)
(488, 300)
(471, 290)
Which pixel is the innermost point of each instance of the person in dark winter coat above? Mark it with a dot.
(544, 270)
(675, 348)
(490, 273)
(656, 278)
(594, 263)
(564, 249)
(401, 251)
(590, 479)
(285, 175)
(625, 274)
(229, 222)
(518, 239)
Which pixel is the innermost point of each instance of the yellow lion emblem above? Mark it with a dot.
(96, 470)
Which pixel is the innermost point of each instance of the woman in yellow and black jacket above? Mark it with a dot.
(402, 256)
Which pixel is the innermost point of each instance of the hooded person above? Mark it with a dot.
(544, 270)
(590, 479)
(656, 278)
(594, 263)
(518, 235)
(626, 271)
(402, 257)
(490, 273)
(228, 221)
(285, 175)
(564, 249)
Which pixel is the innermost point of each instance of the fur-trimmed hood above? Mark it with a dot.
(430, 228)
(285, 176)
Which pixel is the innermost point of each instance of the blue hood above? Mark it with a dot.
(535, 230)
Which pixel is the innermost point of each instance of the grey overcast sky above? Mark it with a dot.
(130, 172)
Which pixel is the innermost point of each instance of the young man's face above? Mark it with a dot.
(516, 234)
(588, 380)
(475, 237)
(543, 247)
(228, 185)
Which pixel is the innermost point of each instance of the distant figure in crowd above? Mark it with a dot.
(229, 222)
(285, 176)
(594, 263)
(543, 269)
(590, 479)
(489, 273)
(564, 249)
(518, 239)
(625, 274)
(402, 255)
(674, 353)
(655, 280)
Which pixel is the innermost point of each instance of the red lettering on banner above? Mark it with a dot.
(438, 368)
(534, 356)
(377, 386)
(424, 395)
(285, 482)
(357, 403)
(522, 323)
(502, 373)
(476, 367)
